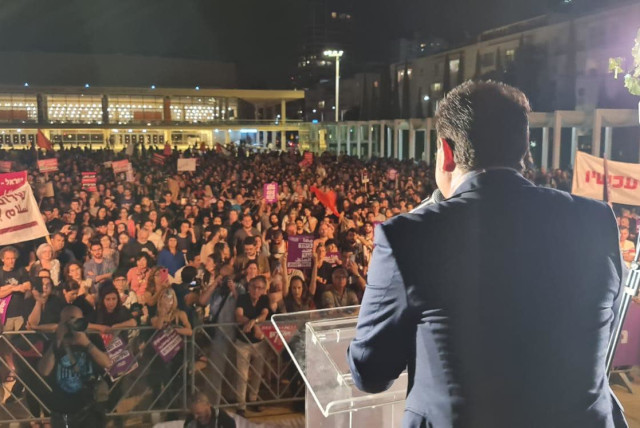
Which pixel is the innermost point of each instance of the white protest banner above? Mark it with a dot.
(20, 218)
(588, 179)
(187, 164)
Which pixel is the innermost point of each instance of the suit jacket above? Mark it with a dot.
(500, 303)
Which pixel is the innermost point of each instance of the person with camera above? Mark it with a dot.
(220, 296)
(72, 366)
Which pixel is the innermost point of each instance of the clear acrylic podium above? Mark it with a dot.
(317, 342)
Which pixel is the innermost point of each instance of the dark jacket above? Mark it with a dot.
(499, 301)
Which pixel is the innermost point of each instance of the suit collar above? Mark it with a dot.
(490, 177)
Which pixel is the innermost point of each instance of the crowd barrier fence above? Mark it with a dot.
(213, 361)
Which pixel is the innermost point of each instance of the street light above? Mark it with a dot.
(336, 54)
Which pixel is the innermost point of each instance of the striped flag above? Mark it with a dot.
(158, 159)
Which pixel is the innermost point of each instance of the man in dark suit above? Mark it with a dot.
(499, 300)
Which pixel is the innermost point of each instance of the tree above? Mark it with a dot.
(406, 96)
(395, 107)
(632, 78)
(419, 112)
(460, 77)
(384, 110)
(446, 78)
(478, 71)
(364, 111)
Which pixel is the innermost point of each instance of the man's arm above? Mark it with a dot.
(385, 331)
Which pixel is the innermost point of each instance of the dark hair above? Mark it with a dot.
(70, 285)
(102, 316)
(192, 254)
(257, 278)
(188, 274)
(486, 123)
(95, 241)
(249, 240)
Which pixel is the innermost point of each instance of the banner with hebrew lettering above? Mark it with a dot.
(624, 179)
(20, 218)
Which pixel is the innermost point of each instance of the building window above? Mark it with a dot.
(436, 87)
(18, 108)
(487, 59)
(454, 65)
(376, 84)
(123, 109)
(510, 55)
(320, 104)
(74, 109)
(401, 74)
(334, 15)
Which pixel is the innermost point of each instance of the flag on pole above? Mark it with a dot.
(606, 189)
(327, 199)
(42, 141)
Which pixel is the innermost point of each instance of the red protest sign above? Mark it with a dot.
(89, 181)
(48, 165)
(269, 331)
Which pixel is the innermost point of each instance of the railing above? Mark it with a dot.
(213, 361)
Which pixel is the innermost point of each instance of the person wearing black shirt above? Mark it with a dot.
(203, 415)
(14, 283)
(71, 365)
(110, 313)
(46, 308)
(251, 309)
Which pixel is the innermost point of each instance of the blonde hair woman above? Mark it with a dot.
(168, 314)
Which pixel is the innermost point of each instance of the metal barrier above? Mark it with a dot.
(211, 361)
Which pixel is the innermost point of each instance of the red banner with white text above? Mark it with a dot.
(624, 179)
(20, 218)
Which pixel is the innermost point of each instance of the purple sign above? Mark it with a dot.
(300, 252)
(332, 258)
(628, 350)
(122, 360)
(167, 344)
(270, 193)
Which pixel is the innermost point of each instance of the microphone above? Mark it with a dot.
(436, 197)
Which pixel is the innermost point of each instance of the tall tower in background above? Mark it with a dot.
(329, 25)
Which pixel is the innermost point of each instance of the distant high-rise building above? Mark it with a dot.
(329, 25)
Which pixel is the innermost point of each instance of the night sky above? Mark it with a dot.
(263, 37)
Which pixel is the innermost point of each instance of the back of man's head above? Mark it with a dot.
(487, 125)
(189, 273)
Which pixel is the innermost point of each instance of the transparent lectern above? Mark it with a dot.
(317, 342)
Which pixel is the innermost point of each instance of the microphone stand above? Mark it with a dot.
(630, 290)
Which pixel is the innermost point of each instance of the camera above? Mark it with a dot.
(195, 284)
(76, 325)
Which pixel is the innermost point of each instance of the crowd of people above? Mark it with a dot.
(172, 249)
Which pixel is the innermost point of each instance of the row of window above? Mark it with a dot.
(120, 110)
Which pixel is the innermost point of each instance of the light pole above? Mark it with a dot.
(336, 54)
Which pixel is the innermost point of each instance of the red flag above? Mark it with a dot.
(167, 149)
(327, 199)
(606, 192)
(43, 142)
(158, 159)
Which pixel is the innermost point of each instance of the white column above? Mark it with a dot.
(400, 143)
(389, 148)
(258, 139)
(597, 129)
(557, 137)
(544, 163)
(338, 138)
(394, 140)
(608, 141)
(359, 140)
(370, 125)
(412, 142)
(283, 140)
(349, 140)
(574, 144)
(427, 142)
